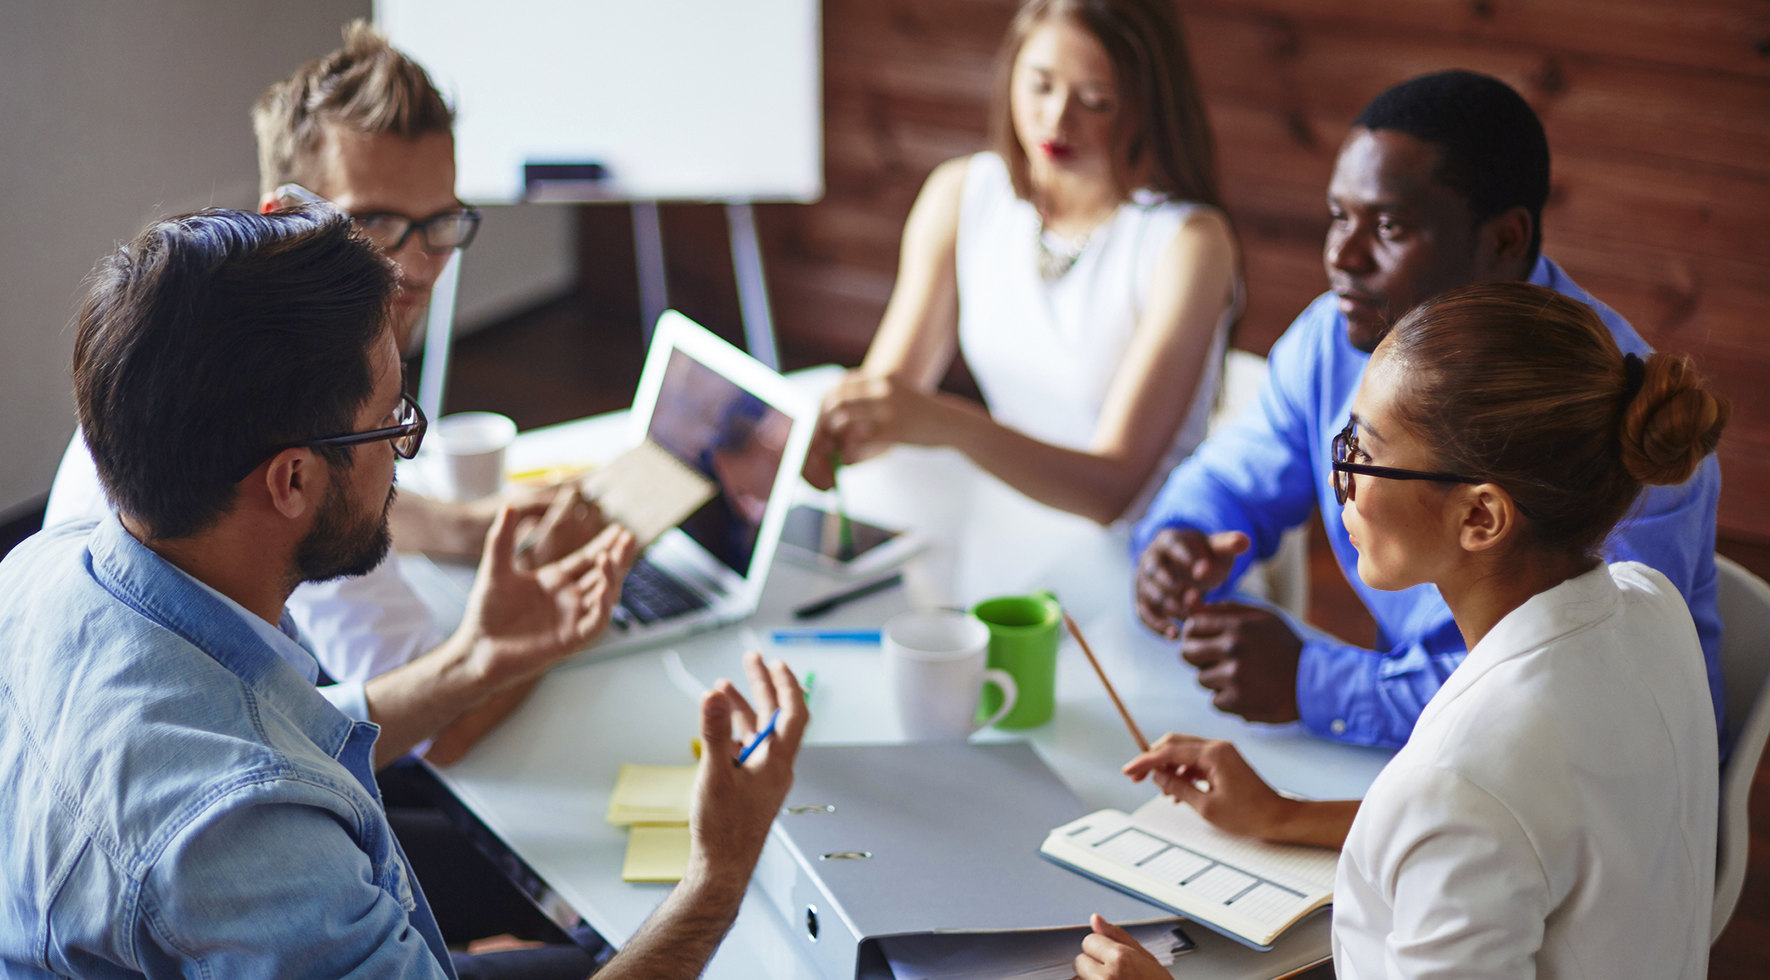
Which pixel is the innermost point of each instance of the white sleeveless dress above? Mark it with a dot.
(1045, 353)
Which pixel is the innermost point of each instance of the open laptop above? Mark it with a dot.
(746, 429)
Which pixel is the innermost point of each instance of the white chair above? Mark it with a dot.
(1744, 603)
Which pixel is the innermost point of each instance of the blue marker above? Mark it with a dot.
(766, 731)
(785, 637)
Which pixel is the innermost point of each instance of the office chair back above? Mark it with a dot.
(1744, 601)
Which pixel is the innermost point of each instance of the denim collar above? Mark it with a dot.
(153, 587)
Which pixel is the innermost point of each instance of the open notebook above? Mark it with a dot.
(1166, 853)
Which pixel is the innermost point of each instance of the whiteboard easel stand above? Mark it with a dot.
(654, 296)
(648, 255)
(746, 264)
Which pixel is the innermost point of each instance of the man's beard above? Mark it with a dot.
(343, 540)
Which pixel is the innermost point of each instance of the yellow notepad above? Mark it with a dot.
(656, 853)
(651, 794)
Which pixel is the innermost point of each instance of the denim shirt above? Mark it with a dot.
(175, 800)
(1265, 472)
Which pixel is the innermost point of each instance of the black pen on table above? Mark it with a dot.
(827, 603)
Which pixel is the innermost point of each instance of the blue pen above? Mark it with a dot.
(784, 637)
(766, 731)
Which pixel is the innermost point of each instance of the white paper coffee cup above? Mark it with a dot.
(473, 445)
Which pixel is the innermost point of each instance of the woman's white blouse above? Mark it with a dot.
(1554, 812)
(1045, 353)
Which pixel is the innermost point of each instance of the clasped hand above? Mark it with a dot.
(1247, 655)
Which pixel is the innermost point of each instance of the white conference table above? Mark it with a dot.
(542, 780)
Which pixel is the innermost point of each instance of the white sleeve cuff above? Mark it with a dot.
(350, 697)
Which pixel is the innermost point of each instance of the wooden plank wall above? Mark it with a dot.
(1658, 115)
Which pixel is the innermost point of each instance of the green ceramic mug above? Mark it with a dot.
(1023, 634)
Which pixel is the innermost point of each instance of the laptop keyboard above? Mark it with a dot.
(650, 594)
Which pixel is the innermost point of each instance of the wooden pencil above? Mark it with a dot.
(1136, 733)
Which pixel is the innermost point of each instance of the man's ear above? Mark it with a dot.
(268, 202)
(294, 482)
(1505, 244)
(1489, 517)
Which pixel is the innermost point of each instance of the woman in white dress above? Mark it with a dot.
(1554, 812)
(1084, 267)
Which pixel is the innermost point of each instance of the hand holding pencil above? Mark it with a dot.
(1208, 774)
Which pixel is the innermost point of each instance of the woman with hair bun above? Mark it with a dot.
(1554, 812)
(1083, 266)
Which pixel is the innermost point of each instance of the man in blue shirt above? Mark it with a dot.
(176, 798)
(1440, 184)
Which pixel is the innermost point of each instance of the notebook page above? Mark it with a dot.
(1248, 888)
(1304, 868)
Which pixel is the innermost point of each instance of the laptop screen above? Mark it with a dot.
(732, 437)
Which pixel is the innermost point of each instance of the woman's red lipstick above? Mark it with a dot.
(1056, 150)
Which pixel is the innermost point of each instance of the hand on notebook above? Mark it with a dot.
(1180, 566)
(1111, 954)
(520, 622)
(733, 805)
(1210, 776)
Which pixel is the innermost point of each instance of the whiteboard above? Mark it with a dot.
(678, 99)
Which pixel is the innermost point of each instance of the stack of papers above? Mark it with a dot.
(654, 800)
(1043, 955)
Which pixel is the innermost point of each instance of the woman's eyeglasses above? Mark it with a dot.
(1345, 447)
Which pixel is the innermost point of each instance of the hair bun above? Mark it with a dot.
(1672, 423)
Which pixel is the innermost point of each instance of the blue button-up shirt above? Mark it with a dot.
(1264, 473)
(175, 798)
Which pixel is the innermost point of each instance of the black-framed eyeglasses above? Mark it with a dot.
(389, 231)
(406, 434)
(442, 232)
(1345, 446)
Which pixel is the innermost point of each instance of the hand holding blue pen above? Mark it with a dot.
(734, 806)
(756, 741)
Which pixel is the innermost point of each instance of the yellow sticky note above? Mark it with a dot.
(651, 794)
(656, 853)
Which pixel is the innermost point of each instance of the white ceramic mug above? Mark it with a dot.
(935, 668)
(473, 445)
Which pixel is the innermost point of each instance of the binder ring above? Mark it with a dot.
(847, 855)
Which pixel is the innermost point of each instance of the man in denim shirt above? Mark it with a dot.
(1440, 184)
(176, 799)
